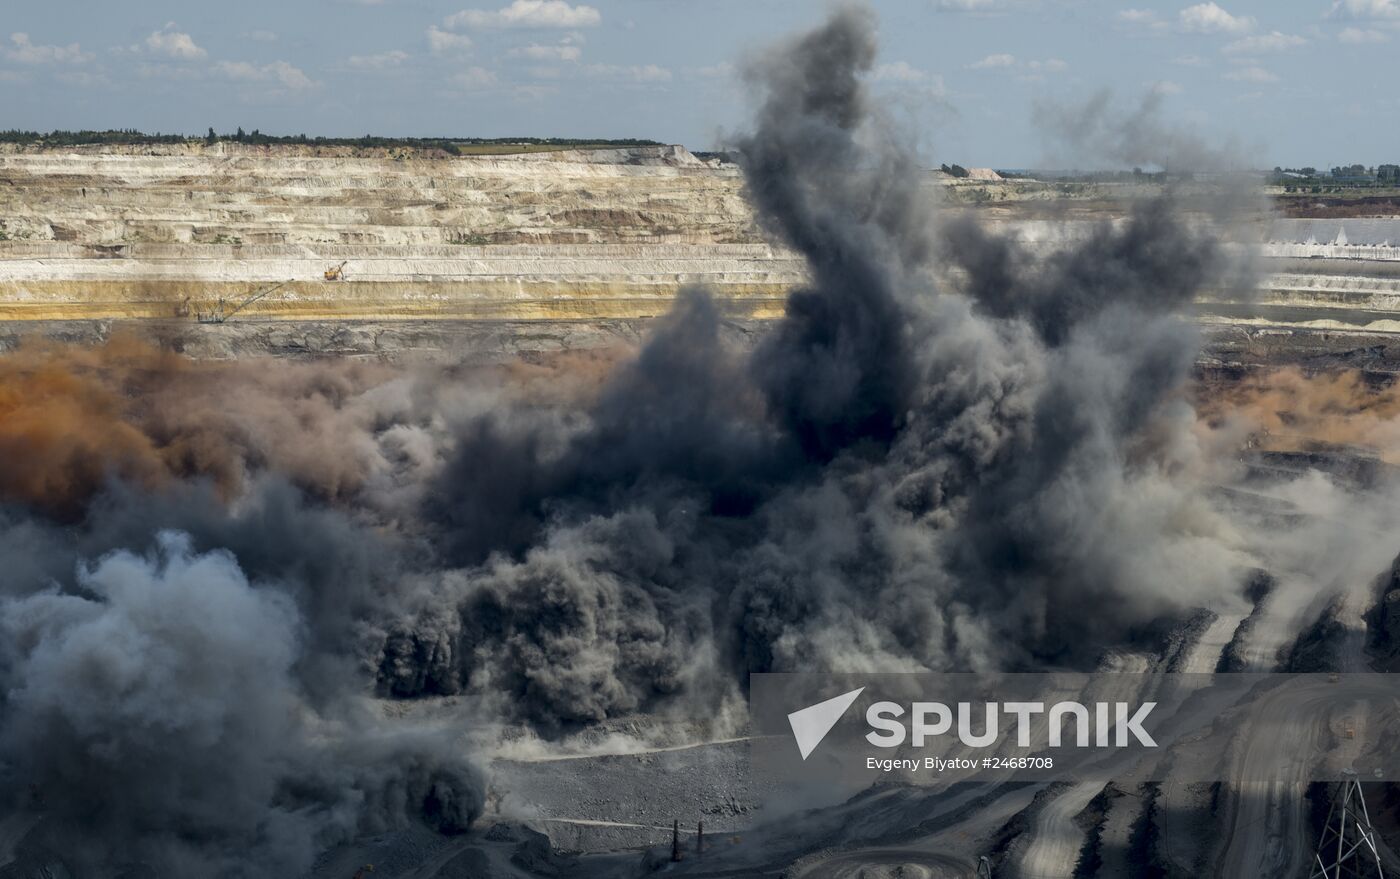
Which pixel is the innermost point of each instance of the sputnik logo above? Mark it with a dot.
(811, 724)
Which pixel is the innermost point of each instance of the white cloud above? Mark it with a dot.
(965, 5)
(1142, 18)
(1032, 70)
(290, 76)
(82, 78)
(24, 51)
(263, 36)
(536, 52)
(910, 79)
(532, 92)
(1138, 16)
(239, 70)
(1251, 74)
(441, 42)
(1270, 42)
(173, 44)
(993, 61)
(1356, 36)
(1209, 18)
(378, 61)
(898, 71)
(631, 73)
(281, 72)
(474, 78)
(1165, 87)
(1190, 61)
(528, 13)
(722, 70)
(1364, 9)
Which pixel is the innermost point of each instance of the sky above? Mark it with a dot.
(1302, 82)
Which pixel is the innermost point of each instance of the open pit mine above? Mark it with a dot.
(399, 514)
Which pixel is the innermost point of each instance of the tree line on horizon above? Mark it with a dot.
(1309, 179)
(132, 137)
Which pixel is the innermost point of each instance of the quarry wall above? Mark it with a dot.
(167, 232)
(563, 235)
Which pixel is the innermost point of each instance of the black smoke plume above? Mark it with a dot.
(897, 476)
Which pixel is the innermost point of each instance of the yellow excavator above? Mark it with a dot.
(336, 273)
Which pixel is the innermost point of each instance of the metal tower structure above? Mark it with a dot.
(1348, 846)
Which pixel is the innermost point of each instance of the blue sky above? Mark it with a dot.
(1300, 82)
